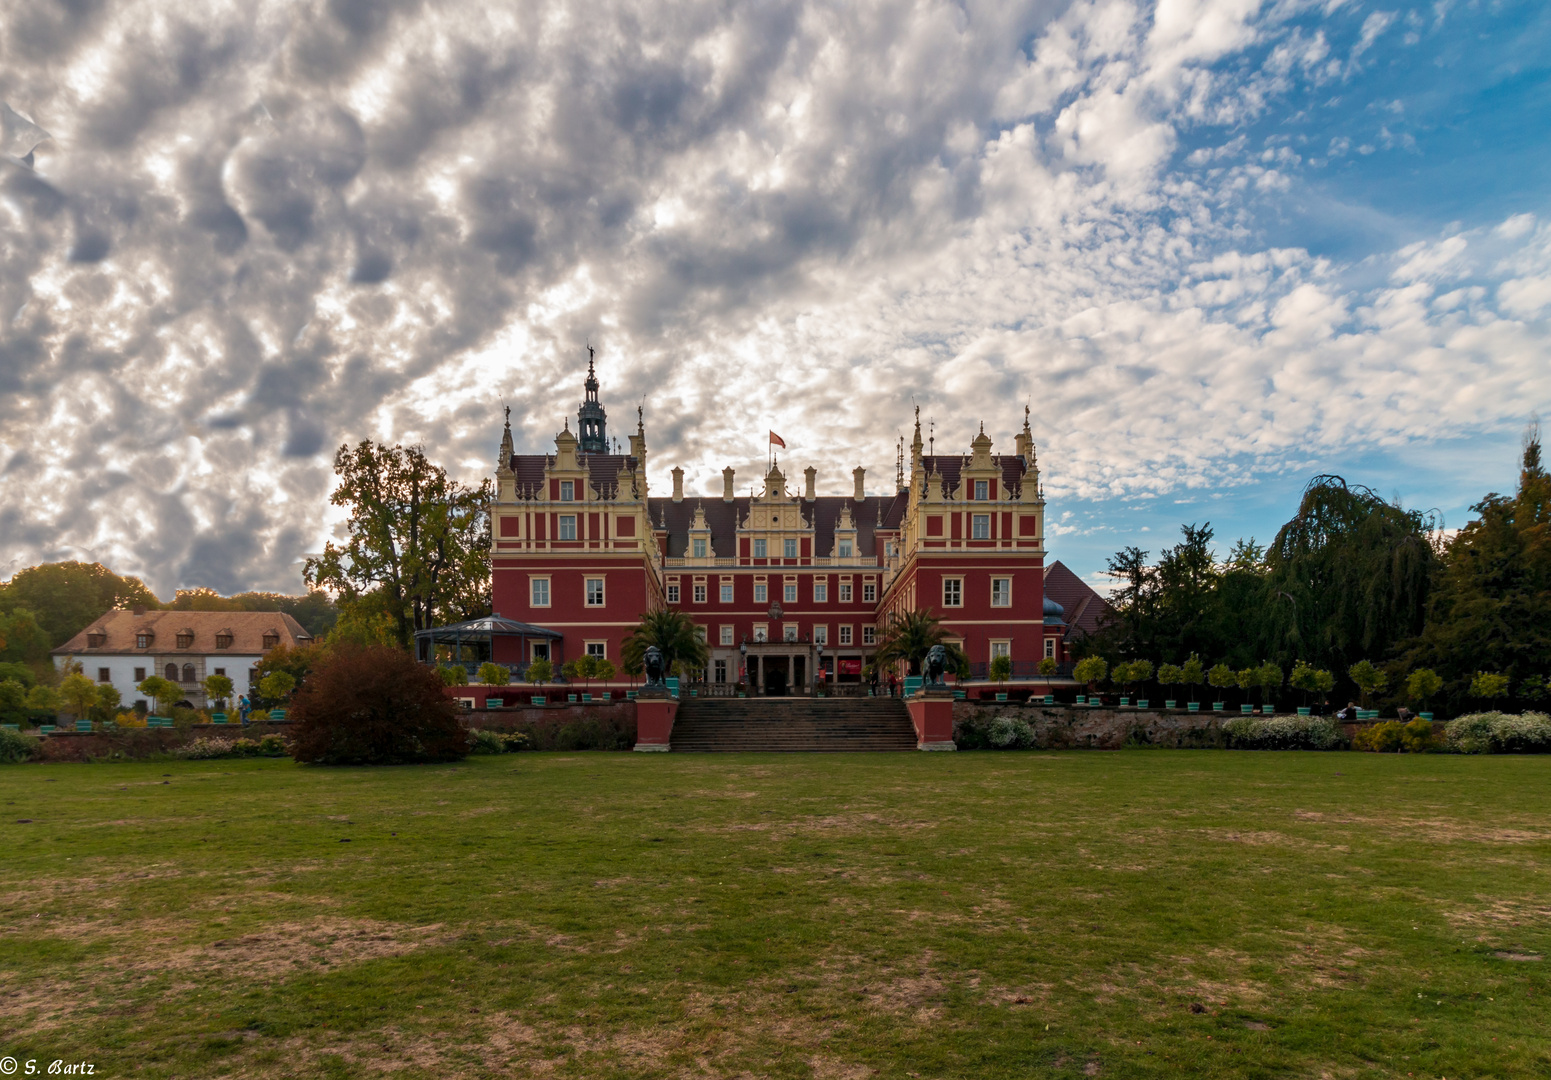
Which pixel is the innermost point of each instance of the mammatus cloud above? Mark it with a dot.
(259, 230)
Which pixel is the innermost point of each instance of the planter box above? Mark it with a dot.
(1082, 699)
(218, 718)
(1141, 703)
(586, 699)
(1194, 706)
(1219, 706)
(1247, 710)
(629, 695)
(1170, 704)
(494, 702)
(274, 714)
(1305, 710)
(1050, 699)
(1124, 702)
(538, 699)
(1001, 696)
(1425, 716)
(1268, 710)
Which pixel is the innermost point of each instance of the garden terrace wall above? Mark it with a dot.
(595, 726)
(1101, 728)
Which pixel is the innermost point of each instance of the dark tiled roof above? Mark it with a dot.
(1084, 606)
(822, 514)
(949, 466)
(602, 470)
(246, 627)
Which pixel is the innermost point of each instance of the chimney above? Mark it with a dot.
(139, 611)
(678, 484)
(859, 474)
(727, 474)
(812, 476)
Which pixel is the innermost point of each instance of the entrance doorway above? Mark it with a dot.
(775, 678)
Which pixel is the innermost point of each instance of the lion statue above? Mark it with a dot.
(656, 668)
(936, 665)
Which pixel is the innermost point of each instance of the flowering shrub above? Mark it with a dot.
(1393, 737)
(496, 742)
(16, 747)
(1284, 733)
(204, 749)
(1499, 733)
(1009, 733)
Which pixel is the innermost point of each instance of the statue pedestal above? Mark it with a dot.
(932, 713)
(655, 709)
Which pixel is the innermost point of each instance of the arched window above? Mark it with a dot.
(172, 672)
(188, 672)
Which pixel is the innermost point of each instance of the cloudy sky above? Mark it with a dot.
(1216, 246)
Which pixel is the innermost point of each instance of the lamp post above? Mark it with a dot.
(743, 662)
(818, 669)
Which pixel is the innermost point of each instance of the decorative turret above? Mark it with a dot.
(505, 478)
(591, 421)
(638, 440)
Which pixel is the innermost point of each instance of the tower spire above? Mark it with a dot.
(591, 420)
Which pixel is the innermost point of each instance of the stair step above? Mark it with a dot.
(796, 725)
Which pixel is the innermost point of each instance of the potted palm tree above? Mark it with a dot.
(676, 637)
(909, 637)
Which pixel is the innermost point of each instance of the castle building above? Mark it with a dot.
(782, 582)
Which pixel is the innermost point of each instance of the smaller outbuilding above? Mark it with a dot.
(125, 647)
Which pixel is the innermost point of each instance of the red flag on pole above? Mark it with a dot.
(776, 440)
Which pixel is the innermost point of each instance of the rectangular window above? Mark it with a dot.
(869, 635)
(1000, 648)
(721, 671)
(567, 491)
(759, 549)
(789, 549)
(761, 592)
(845, 635)
(139, 675)
(597, 648)
(540, 587)
(104, 675)
(220, 671)
(845, 549)
(869, 593)
(1001, 592)
(789, 631)
(980, 527)
(699, 592)
(1050, 647)
(142, 641)
(567, 527)
(888, 549)
(727, 633)
(845, 592)
(952, 592)
(821, 592)
(761, 632)
(821, 635)
(700, 632)
(673, 594)
(726, 592)
(982, 490)
(594, 592)
(699, 547)
(789, 592)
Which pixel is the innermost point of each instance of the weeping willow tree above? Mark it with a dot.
(1347, 578)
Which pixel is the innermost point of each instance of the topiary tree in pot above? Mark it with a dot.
(1369, 679)
(375, 706)
(1192, 673)
(1221, 677)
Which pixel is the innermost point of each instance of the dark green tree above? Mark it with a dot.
(65, 597)
(676, 637)
(909, 637)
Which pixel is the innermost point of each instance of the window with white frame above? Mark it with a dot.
(789, 631)
(594, 592)
(673, 592)
(1001, 592)
(699, 592)
(821, 635)
(845, 635)
(982, 490)
(888, 549)
(567, 491)
(567, 527)
(980, 527)
(869, 635)
(700, 633)
(600, 649)
(869, 592)
(1000, 648)
(789, 592)
(820, 591)
(761, 632)
(1050, 647)
(720, 668)
(727, 634)
(845, 549)
(845, 592)
(761, 592)
(952, 592)
(540, 590)
(698, 546)
(726, 591)
(759, 549)
(789, 549)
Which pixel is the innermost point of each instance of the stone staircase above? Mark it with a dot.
(792, 724)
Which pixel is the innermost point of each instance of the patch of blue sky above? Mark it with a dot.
(1444, 118)
(1448, 476)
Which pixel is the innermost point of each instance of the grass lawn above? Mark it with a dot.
(1143, 913)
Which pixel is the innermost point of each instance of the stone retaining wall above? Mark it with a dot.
(1104, 727)
(147, 742)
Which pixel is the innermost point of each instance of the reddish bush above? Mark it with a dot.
(375, 706)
